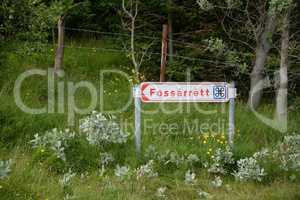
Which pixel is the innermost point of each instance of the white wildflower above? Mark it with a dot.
(217, 182)
(261, 154)
(146, 170)
(192, 158)
(249, 168)
(106, 159)
(221, 158)
(190, 178)
(288, 153)
(122, 172)
(5, 168)
(173, 158)
(203, 195)
(161, 193)
(66, 179)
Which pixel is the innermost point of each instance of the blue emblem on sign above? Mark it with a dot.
(219, 92)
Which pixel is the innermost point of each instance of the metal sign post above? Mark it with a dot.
(183, 92)
(232, 96)
(137, 118)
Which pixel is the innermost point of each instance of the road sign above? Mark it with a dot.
(183, 92)
(186, 92)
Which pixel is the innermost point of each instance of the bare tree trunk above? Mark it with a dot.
(281, 99)
(262, 49)
(170, 23)
(164, 52)
(60, 44)
(132, 47)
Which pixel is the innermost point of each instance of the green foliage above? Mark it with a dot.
(233, 3)
(278, 6)
(237, 59)
(81, 156)
(175, 154)
(178, 70)
(215, 45)
(205, 5)
(17, 127)
(62, 150)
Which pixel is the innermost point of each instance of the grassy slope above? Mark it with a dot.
(32, 181)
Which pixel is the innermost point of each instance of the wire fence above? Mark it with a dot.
(216, 66)
(157, 39)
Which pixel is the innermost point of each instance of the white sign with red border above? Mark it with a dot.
(185, 92)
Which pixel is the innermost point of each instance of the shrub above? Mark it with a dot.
(55, 140)
(221, 161)
(5, 168)
(190, 178)
(122, 172)
(217, 182)
(249, 168)
(146, 170)
(170, 157)
(106, 159)
(288, 153)
(101, 130)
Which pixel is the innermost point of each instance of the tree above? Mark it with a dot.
(252, 25)
(265, 30)
(282, 91)
(62, 9)
(132, 14)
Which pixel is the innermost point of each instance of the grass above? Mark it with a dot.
(32, 180)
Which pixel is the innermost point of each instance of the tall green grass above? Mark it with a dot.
(30, 180)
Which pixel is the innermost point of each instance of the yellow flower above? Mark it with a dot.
(208, 152)
(42, 150)
(212, 157)
(1, 187)
(210, 149)
(204, 141)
